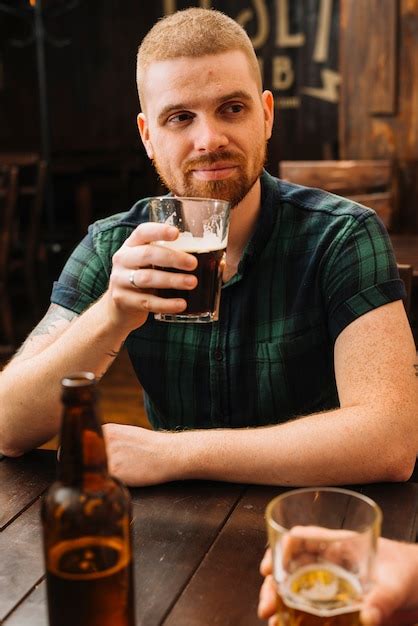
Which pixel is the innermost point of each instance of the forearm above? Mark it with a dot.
(343, 446)
(30, 387)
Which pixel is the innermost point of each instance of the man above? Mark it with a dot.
(311, 318)
(393, 599)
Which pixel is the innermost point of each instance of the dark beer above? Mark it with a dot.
(204, 298)
(86, 523)
(319, 595)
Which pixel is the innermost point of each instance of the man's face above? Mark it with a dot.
(205, 125)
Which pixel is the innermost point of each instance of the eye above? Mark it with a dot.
(180, 118)
(233, 108)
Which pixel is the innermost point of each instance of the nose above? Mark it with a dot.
(210, 135)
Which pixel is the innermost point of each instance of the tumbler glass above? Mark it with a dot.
(323, 543)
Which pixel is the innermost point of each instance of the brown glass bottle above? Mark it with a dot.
(86, 522)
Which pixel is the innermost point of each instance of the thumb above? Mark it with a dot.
(379, 605)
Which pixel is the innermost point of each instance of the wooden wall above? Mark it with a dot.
(379, 93)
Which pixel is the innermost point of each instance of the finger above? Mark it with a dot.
(292, 547)
(150, 303)
(153, 255)
(151, 231)
(380, 604)
(306, 542)
(267, 605)
(156, 279)
(266, 565)
(318, 533)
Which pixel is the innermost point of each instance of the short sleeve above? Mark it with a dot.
(361, 273)
(84, 278)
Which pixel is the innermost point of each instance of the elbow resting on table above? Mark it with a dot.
(395, 449)
(399, 467)
(11, 445)
(11, 452)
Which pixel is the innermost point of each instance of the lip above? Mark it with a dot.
(216, 171)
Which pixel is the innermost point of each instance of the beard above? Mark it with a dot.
(233, 189)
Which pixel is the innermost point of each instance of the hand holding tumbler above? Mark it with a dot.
(323, 543)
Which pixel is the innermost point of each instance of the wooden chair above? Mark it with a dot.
(25, 245)
(370, 182)
(8, 199)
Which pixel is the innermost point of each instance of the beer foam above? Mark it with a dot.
(188, 243)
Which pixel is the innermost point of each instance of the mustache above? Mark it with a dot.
(212, 158)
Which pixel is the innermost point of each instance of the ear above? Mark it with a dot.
(268, 107)
(144, 132)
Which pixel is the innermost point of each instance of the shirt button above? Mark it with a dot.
(218, 354)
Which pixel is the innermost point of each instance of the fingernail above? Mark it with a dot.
(370, 616)
(172, 231)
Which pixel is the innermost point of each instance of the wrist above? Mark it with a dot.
(103, 325)
(117, 321)
(200, 454)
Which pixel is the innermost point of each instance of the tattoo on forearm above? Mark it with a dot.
(54, 314)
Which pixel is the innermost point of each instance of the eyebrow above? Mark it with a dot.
(238, 94)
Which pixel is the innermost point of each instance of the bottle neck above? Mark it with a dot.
(83, 454)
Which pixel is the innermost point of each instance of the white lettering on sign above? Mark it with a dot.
(293, 102)
(285, 39)
(262, 15)
(323, 31)
(282, 70)
(329, 90)
(282, 76)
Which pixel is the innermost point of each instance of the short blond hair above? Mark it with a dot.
(194, 32)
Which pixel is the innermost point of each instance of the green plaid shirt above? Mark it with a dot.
(315, 263)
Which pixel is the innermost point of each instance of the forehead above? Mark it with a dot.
(197, 78)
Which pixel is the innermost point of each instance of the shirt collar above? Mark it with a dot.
(269, 212)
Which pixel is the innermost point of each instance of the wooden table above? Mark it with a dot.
(197, 545)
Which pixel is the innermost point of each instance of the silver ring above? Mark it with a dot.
(132, 279)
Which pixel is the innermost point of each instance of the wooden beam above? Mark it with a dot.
(383, 63)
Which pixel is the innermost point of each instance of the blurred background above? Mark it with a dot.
(344, 74)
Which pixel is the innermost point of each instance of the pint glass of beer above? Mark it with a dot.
(203, 224)
(323, 543)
